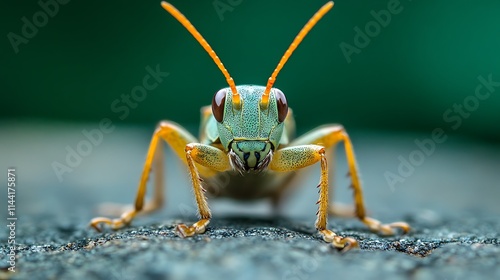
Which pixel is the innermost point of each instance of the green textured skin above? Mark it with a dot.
(249, 122)
(250, 129)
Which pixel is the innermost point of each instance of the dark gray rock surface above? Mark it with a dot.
(451, 200)
(246, 248)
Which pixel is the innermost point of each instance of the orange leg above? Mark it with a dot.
(177, 137)
(157, 201)
(297, 157)
(214, 159)
(303, 152)
(328, 136)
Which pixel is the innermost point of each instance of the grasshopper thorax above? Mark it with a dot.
(248, 131)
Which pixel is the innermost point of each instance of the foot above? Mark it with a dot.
(344, 244)
(186, 231)
(114, 224)
(385, 229)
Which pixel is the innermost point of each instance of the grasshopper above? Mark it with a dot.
(246, 135)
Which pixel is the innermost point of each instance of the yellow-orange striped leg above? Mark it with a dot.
(328, 136)
(214, 159)
(297, 157)
(177, 137)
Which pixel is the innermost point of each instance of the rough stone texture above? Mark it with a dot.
(451, 201)
(245, 248)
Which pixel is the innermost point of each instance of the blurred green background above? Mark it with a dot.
(87, 55)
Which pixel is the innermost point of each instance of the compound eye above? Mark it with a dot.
(282, 105)
(218, 104)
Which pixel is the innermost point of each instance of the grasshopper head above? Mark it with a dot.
(249, 131)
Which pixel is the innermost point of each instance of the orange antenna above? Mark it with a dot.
(309, 25)
(185, 22)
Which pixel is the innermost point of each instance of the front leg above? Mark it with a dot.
(214, 159)
(328, 136)
(297, 157)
